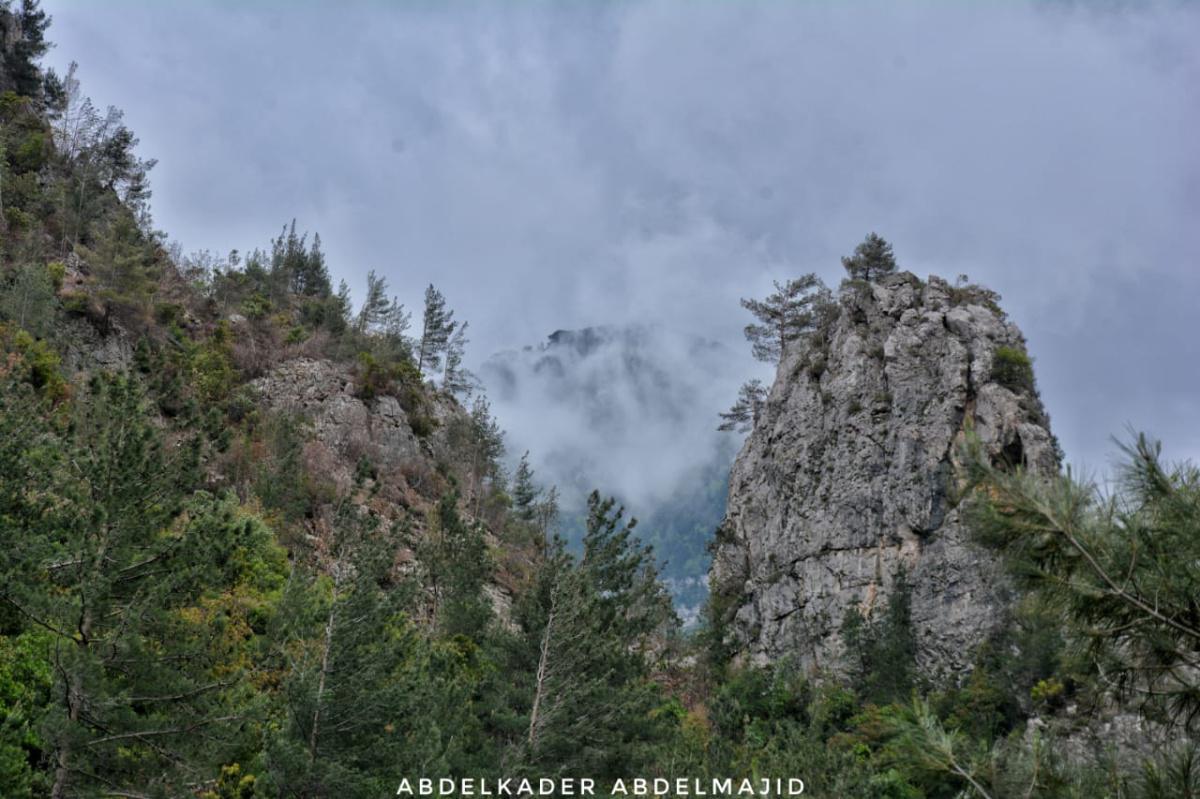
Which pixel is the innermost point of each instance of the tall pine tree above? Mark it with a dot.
(785, 316)
(437, 327)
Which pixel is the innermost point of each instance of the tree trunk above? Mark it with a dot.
(328, 647)
(74, 698)
(542, 673)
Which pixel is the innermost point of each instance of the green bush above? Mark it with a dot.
(1013, 369)
(42, 365)
(421, 425)
(256, 306)
(57, 271)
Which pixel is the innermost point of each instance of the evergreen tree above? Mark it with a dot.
(437, 327)
(395, 327)
(313, 275)
(353, 696)
(744, 413)
(456, 378)
(883, 650)
(486, 447)
(22, 44)
(376, 307)
(546, 515)
(872, 259)
(109, 557)
(126, 262)
(1121, 568)
(457, 565)
(28, 300)
(525, 492)
(784, 317)
(344, 304)
(297, 269)
(590, 623)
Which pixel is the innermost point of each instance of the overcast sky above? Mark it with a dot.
(559, 165)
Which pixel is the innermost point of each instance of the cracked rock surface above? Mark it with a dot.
(846, 478)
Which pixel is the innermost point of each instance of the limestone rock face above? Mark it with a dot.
(846, 477)
(324, 393)
(344, 428)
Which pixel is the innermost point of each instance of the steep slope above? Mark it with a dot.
(845, 482)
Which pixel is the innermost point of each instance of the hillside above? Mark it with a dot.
(259, 539)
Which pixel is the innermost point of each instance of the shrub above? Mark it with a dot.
(41, 364)
(57, 271)
(1013, 369)
(374, 378)
(1047, 693)
(256, 306)
(421, 425)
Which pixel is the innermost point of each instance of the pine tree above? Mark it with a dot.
(22, 44)
(116, 564)
(457, 565)
(872, 259)
(437, 327)
(354, 699)
(376, 307)
(486, 448)
(546, 513)
(1120, 568)
(396, 325)
(589, 623)
(785, 316)
(883, 649)
(525, 492)
(313, 278)
(744, 413)
(335, 316)
(457, 379)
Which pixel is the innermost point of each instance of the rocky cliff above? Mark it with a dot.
(846, 480)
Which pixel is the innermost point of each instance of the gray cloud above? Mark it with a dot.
(563, 165)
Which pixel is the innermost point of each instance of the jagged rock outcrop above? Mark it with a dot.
(324, 393)
(344, 428)
(846, 478)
